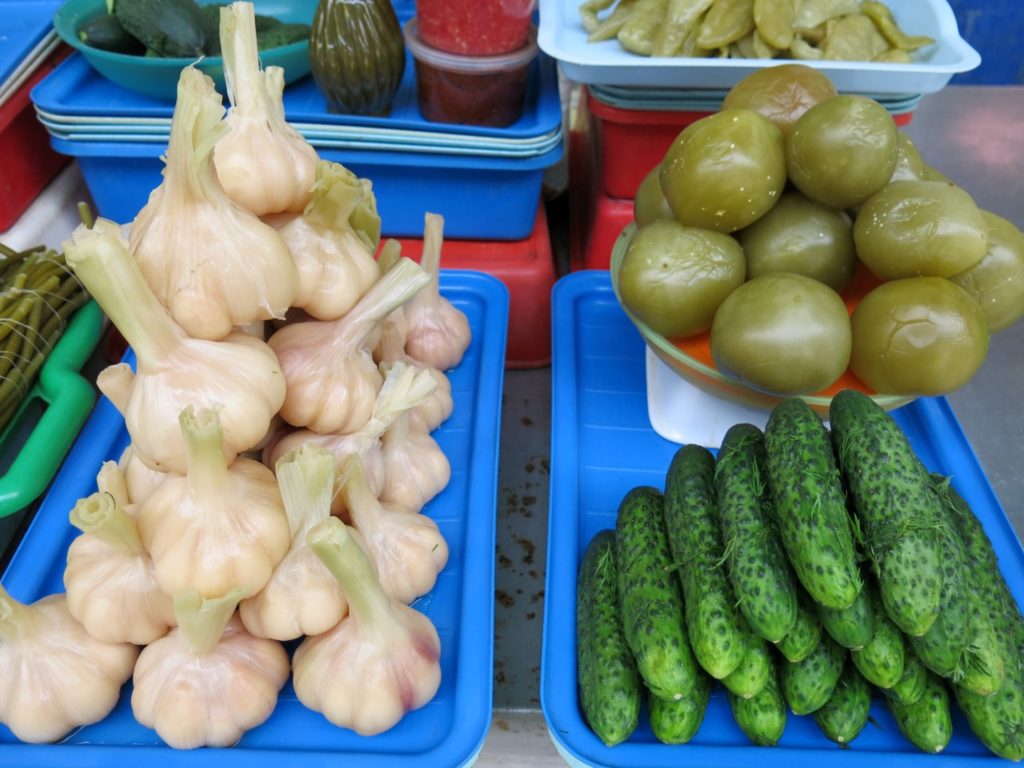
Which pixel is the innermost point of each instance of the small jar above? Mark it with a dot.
(475, 27)
(470, 90)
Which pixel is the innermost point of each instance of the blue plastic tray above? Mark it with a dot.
(76, 89)
(481, 198)
(25, 24)
(447, 732)
(601, 446)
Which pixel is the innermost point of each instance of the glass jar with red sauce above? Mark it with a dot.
(474, 27)
(470, 90)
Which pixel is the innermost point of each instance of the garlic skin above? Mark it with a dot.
(302, 597)
(415, 467)
(110, 480)
(208, 681)
(240, 375)
(380, 661)
(433, 411)
(210, 262)
(407, 547)
(219, 527)
(335, 260)
(438, 334)
(405, 388)
(115, 382)
(140, 481)
(262, 162)
(332, 381)
(110, 582)
(55, 676)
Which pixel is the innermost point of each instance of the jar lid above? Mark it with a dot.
(471, 65)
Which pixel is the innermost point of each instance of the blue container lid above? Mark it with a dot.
(25, 24)
(76, 89)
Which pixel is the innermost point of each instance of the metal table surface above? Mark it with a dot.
(969, 133)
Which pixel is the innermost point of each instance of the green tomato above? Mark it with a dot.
(909, 165)
(782, 93)
(918, 336)
(673, 278)
(650, 203)
(914, 228)
(803, 237)
(725, 171)
(997, 281)
(782, 333)
(842, 151)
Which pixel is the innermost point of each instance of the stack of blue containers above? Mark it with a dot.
(486, 182)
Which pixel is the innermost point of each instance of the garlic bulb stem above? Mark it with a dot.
(115, 382)
(101, 260)
(242, 73)
(15, 618)
(395, 287)
(433, 235)
(204, 439)
(306, 479)
(110, 480)
(202, 621)
(331, 541)
(101, 516)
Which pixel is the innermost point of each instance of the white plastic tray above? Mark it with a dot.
(561, 35)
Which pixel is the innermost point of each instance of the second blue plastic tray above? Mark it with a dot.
(602, 445)
(449, 731)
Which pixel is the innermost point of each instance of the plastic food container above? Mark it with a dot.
(602, 445)
(607, 63)
(448, 731)
(474, 28)
(474, 90)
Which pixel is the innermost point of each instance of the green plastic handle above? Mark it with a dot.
(69, 399)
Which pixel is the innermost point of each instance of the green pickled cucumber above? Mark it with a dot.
(810, 504)
(649, 599)
(718, 634)
(851, 627)
(762, 717)
(845, 714)
(610, 688)
(676, 722)
(927, 722)
(882, 660)
(898, 512)
(808, 684)
(752, 674)
(910, 687)
(755, 560)
(806, 633)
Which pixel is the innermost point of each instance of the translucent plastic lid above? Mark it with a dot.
(469, 65)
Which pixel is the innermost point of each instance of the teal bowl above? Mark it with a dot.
(158, 78)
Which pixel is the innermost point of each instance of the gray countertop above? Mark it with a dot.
(973, 135)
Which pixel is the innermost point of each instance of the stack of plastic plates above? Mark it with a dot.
(26, 40)
(78, 105)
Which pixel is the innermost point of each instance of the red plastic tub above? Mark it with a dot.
(632, 141)
(27, 162)
(527, 269)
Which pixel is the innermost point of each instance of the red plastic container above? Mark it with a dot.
(632, 141)
(474, 27)
(27, 162)
(527, 269)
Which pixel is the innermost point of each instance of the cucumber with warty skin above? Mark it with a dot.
(898, 512)
(806, 633)
(762, 717)
(927, 722)
(718, 634)
(756, 564)
(808, 684)
(845, 714)
(752, 674)
(810, 504)
(910, 687)
(649, 597)
(882, 660)
(609, 684)
(676, 722)
(851, 627)
(172, 28)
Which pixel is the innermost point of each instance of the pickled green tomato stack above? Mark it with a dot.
(763, 217)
